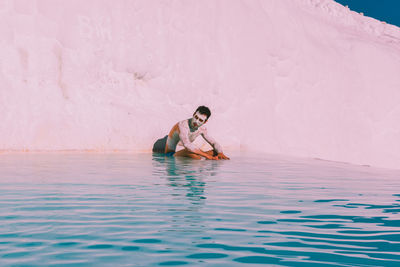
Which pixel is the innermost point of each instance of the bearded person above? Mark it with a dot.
(187, 131)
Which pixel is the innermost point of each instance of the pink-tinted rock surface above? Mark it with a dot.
(298, 77)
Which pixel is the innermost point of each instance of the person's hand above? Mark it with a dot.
(212, 157)
(222, 156)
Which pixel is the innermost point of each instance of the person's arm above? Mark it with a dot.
(184, 137)
(216, 147)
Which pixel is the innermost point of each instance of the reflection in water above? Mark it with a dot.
(185, 173)
(187, 179)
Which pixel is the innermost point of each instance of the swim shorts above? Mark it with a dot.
(159, 145)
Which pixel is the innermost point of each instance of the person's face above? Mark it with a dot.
(198, 119)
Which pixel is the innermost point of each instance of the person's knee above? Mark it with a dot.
(187, 153)
(194, 156)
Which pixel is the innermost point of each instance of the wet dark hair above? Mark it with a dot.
(203, 110)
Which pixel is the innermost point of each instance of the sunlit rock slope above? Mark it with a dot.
(297, 77)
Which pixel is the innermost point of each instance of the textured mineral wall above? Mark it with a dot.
(298, 77)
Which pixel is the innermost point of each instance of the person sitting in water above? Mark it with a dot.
(187, 131)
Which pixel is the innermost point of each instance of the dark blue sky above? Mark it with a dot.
(385, 10)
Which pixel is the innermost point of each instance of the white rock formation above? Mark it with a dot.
(298, 77)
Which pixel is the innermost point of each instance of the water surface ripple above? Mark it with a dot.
(147, 210)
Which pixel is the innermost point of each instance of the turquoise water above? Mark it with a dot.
(145, 210)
